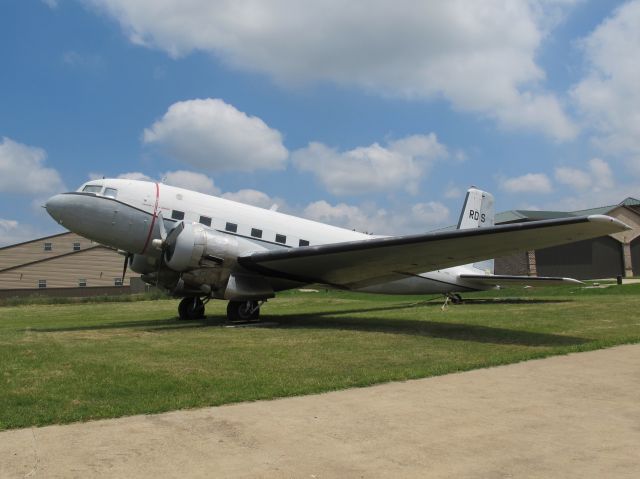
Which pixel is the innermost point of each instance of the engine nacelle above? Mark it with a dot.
(197, 247)
(142, 264)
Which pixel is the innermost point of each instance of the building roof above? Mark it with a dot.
(36, 239)
(513, 216)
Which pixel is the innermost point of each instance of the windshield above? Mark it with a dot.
(92, 189)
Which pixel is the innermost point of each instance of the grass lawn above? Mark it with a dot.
(61, 363)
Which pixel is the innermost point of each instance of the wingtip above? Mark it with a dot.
(608, 219)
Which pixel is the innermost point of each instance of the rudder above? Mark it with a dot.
(477, 211)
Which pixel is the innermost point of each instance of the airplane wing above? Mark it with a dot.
(508, 280)
(358, 264)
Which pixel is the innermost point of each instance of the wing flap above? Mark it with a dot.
(362, 263)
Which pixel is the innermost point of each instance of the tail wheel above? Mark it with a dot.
(243, 311)
(191, 308)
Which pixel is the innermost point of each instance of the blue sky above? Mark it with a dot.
(375, 117)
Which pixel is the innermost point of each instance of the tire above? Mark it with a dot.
(240, 311)
(190, 309)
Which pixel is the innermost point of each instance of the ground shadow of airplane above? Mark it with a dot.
(364, 320)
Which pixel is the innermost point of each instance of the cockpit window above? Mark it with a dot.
(110, 192)
(92, 189)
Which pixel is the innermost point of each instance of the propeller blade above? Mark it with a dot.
(163, 231)
(173, 234)
(124, 268)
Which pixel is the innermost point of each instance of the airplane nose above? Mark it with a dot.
(55, 207)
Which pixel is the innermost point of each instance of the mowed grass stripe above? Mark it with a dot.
(61, 363)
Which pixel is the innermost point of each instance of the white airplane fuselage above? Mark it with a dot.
(126, 215)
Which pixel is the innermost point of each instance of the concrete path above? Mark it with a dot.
(574, 416)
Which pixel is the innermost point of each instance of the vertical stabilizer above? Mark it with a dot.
(477, 211)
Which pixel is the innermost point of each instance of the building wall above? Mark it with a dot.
(590, 259)
(30, 251)
(62, 267)
(513, 264)
(635, 256)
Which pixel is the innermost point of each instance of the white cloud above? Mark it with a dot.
(343, 215)
(12, 232)
(430, 213)
(588, 198)
(529, 183)
(480, 56)
(91, 62)
(181, 178)
(191, 181)
(7, 225)
(601, 173)
(51, 3)
(573, 177)
(420, 217)
(22, 170)
(596, 178)
(453, 192)
(134, 175)
(608, 96)
(213, 135)
(399, 165)
(256, 198)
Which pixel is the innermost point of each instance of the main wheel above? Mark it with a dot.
(191, 308)
(456, 298)
(243, 311)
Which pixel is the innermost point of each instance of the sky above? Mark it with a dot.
(371, 115)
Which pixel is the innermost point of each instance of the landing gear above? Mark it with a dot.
(243, 311)
(191, 308)
(455, 298)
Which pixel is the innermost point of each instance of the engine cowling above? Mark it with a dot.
(142, 264)
(197, 247)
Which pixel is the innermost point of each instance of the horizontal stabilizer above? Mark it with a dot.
(508, 280)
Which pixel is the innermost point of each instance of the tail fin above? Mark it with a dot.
(477, 211)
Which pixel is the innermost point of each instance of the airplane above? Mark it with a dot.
(200, 247)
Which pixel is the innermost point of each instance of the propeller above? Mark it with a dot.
(163, 231)
(172, 237)
(124, 268)
(166, 242)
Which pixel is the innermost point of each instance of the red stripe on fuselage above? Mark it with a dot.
(153, 219)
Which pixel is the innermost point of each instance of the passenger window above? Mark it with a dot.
(281, 239)
(303, 243)
(110, 192)
(92, 189)
(256, 233)
(231, 227)
(205, 220)
(177, 215)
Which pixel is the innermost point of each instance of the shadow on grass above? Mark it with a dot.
(427, 328)
(346, 321)
(488, 301)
